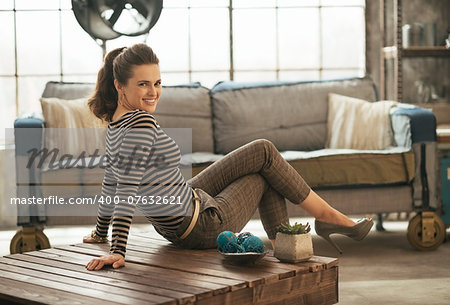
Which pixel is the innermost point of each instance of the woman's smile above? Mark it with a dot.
(149, 101)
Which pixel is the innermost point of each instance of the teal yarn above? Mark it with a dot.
(226, 242)
(226, 237)
(232, 248)
(253, 244)
(242, 237)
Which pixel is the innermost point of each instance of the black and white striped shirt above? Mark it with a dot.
(142, 170)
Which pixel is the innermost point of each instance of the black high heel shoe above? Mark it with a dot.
(357, 232)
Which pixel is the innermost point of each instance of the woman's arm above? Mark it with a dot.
(105, 208)
(135, 147)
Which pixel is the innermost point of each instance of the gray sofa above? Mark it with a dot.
(293, 115)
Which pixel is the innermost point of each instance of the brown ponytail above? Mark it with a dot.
(118, 64)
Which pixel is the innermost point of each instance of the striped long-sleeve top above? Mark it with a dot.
(142, 169)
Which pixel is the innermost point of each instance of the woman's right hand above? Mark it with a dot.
(116, 260)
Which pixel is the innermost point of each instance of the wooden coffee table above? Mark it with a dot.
(156, 272)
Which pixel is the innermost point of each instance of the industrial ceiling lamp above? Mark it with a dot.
(109, 19)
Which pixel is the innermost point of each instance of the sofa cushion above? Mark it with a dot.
(62, 113)
(188, 107)
(199, 158)
(71, 127)
(67, 90)
(348, 167)
(321, 169)
(358, 124)
(184, 106)
(292, 115)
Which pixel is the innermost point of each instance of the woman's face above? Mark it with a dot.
(142, 90)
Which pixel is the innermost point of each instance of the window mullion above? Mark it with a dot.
(277, 43)
(189, 45)
(16, 71)
(230, 13)
(320, 42)
(61, 72)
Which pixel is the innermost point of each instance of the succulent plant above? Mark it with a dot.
(297, 228)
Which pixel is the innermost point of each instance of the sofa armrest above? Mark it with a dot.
(413, 125)
(28, 134)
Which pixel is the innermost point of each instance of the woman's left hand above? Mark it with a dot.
(116, 260)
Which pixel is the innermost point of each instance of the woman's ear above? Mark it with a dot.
(117, 85)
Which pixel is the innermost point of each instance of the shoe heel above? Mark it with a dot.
(332, 242)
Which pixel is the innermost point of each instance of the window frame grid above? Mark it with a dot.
(232, 70)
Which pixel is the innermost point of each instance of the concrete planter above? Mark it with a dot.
(293, 248)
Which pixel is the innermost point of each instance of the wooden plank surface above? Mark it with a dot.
(57, 287)
(196, 279)
(315, 263)
(157, 272)
(152, 284)
(58, 282)
(76, 278)
(298, 286)
(109, 277)
(253, 275)
(12, 291)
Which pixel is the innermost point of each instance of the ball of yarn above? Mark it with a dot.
(226, 242)
(253, 244)
(242, 237)
(232, 248)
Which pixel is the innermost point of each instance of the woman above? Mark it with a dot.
(222, 197)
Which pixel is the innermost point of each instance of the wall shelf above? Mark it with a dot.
(426, 52)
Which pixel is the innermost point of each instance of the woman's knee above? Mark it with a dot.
(264, 144)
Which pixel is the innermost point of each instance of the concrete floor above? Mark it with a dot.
(382, 269)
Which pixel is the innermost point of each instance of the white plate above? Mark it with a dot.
(243, 258)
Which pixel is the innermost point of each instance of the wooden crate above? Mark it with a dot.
(156, 272)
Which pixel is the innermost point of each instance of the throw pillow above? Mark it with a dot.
(358, 124)
(72, 128)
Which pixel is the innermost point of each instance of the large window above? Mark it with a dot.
(196, 40)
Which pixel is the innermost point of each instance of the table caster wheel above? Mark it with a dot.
(28, 239)
(426, 231)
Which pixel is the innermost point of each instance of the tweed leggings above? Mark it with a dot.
(254, 176)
